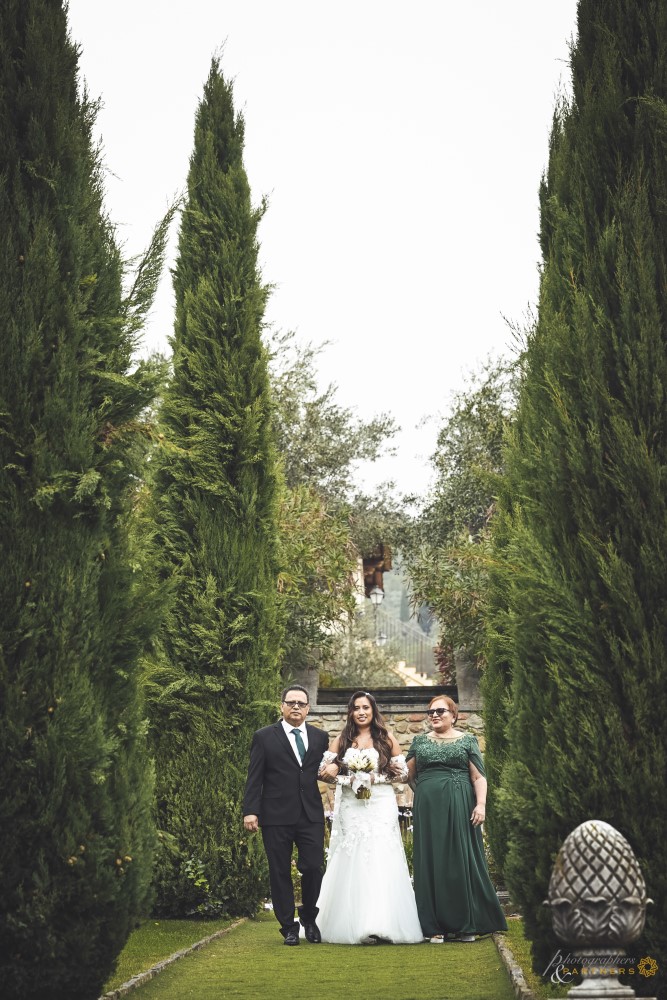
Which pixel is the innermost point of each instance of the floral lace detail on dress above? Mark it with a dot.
(453, 755)
(399, 771)
(366, 825)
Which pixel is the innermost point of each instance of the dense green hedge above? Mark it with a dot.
(76, 834)
(575, 689)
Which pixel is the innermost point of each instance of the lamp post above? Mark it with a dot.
(377, 596)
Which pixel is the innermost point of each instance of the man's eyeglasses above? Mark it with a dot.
(437, 711)
(296, 704)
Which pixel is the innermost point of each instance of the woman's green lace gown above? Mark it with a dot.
(452, 885)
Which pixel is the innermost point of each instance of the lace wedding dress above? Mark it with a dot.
(366, 894)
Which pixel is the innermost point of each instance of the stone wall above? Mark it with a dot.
(406, 718)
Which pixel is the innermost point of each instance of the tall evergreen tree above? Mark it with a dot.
(215, 492)
(76, 834)
(578, 662)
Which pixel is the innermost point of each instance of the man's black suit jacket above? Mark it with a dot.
(277, 788)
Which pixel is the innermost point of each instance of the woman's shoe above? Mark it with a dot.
(437, 939)
(466, 938)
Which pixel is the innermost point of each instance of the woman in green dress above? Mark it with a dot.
(452, 885)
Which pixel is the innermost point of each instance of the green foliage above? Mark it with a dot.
(324, 522)
(376, 519)
(316, 584)
(578, 613)
(469, 455)
(76, 834)
(213, 678)
(320, 441)
(448, 552)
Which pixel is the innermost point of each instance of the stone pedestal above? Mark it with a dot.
(599, 988)
(467, 683)
(598, 901)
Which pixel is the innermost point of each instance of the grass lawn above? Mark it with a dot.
(156, 940)
(252, 962)
(520, 948)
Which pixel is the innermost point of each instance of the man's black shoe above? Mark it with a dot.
(312, 933)
(292, 937)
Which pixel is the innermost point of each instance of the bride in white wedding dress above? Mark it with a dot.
(366, 895)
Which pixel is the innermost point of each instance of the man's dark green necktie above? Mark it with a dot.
(299, 744)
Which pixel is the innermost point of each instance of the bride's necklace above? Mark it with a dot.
(363, 742)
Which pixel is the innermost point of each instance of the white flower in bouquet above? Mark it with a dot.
(361, 763)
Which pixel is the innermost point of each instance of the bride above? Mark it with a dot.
(366, 895)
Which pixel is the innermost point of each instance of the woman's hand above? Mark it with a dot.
(479, 784)
(478, 814)
(329, 772)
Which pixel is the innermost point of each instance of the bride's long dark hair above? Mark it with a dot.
(379, 732)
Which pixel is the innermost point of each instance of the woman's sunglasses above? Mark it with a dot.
(437, 711)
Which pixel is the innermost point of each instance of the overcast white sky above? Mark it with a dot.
(401, 148)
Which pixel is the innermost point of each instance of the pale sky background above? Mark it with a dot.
(401, 148)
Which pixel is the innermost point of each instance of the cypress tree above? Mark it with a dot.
(578, 659)
(76, 833)
(215, 495)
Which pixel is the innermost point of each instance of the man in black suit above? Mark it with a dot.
(282, 797)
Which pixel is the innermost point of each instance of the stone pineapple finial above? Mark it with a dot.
(598, 900)
(597, 892)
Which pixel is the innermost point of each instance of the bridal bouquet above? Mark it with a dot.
(361, 763)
